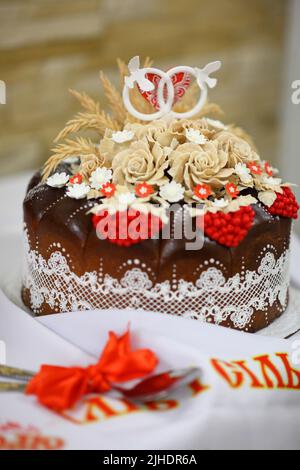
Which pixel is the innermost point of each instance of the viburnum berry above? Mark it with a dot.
(285, 205)
(228, 229)
(126, 228)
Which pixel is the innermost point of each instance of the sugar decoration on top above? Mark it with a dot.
(163, 89)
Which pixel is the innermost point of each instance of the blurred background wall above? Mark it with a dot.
(48, 46)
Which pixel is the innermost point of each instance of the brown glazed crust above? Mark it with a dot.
(50, 217)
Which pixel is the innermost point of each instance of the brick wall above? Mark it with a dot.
(48, 46)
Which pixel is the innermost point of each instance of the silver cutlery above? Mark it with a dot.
(155, 387)
(14, 373)
(12, 387)
(178, 378)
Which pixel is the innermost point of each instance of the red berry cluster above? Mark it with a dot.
(126, 228)
(229, 229)
(285, 205)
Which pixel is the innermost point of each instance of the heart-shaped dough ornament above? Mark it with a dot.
(181, 81)
(164, 89)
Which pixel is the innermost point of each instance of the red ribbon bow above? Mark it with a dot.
(59, 388)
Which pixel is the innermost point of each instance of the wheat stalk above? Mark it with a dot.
(78, 147)
(123, 71)
(98, 121)
(114, 98)
(148, 62)
(93, 119)
(86, 101)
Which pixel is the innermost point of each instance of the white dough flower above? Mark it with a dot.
(216, 124)
(195, 136)
(172, 192)
(122, 136)
(78, 191)
(220, 203)
(99, 177)
(58, 180)
(126, 198)
(270, 181)
(243, 173)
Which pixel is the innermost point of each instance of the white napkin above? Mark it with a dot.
(221, 417)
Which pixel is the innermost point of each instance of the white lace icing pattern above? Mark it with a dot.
(211, 298)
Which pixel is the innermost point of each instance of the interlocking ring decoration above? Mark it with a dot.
(165, 88)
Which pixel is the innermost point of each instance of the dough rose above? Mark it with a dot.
(238, 150)
(192, 164)
(140, 163)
